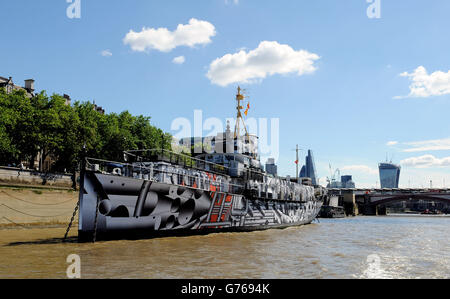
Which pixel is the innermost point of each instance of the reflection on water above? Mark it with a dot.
(361, 247)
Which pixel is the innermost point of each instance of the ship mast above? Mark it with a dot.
(297, 161)
(239, 97)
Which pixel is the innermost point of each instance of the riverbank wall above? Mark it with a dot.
(25, 177)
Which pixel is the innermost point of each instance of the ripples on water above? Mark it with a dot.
(361, 247)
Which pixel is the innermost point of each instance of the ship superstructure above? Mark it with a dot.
(163, 192)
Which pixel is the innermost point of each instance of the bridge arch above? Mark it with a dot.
(399, 198)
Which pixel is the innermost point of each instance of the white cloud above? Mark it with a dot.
(392, 143)
(428, 145)
(426, 85)
(426, 161)
(106, 53)
(236, 2)
(197, 32)
(421, 177)
(179, 60)
(360, 169)
(269, 58)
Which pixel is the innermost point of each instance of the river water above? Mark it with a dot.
(359, 247)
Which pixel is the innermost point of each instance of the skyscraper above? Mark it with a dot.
(309, 169)
(347, 181)
(389, 175)
(271, 167)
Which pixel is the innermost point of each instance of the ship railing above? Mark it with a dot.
(162, 155)
(139, 170)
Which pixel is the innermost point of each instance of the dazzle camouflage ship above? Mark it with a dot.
(160, 192)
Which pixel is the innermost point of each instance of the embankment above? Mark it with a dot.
(16, 176)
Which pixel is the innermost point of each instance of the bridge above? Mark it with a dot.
(374, 201)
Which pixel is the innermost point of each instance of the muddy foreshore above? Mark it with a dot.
(36, 207)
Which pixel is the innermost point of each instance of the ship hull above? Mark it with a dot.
(116, 207)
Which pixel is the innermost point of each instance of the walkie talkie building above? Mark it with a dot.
(389, 175)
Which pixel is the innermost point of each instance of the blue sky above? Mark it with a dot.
(346, 109)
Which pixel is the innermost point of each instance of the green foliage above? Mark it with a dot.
(49, 126)
(17, 119)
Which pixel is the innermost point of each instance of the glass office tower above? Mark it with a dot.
(389, 175)
(347, 181)
(309, 169)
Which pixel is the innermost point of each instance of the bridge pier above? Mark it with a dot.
(370, 210)
(350, 206)
(381, 210)
(373, 210)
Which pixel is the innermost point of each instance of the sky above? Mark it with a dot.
(355, 82)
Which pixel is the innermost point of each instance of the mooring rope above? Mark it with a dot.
(34, 203)
(31, 215)
(9, 220)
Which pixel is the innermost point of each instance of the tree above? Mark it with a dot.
(87, 132)
(67, 147)
(17, 123)
(48, 126)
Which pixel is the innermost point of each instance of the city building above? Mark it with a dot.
(271, 167)
(389, 175)
(309, 169)
(346, 182)
(99, 109)
(28, 87)
(9, 86)
(68, 99)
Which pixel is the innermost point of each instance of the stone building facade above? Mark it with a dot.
(9, 86)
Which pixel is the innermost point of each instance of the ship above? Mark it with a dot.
(160, 192)
(332, 212)
(332, 207)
